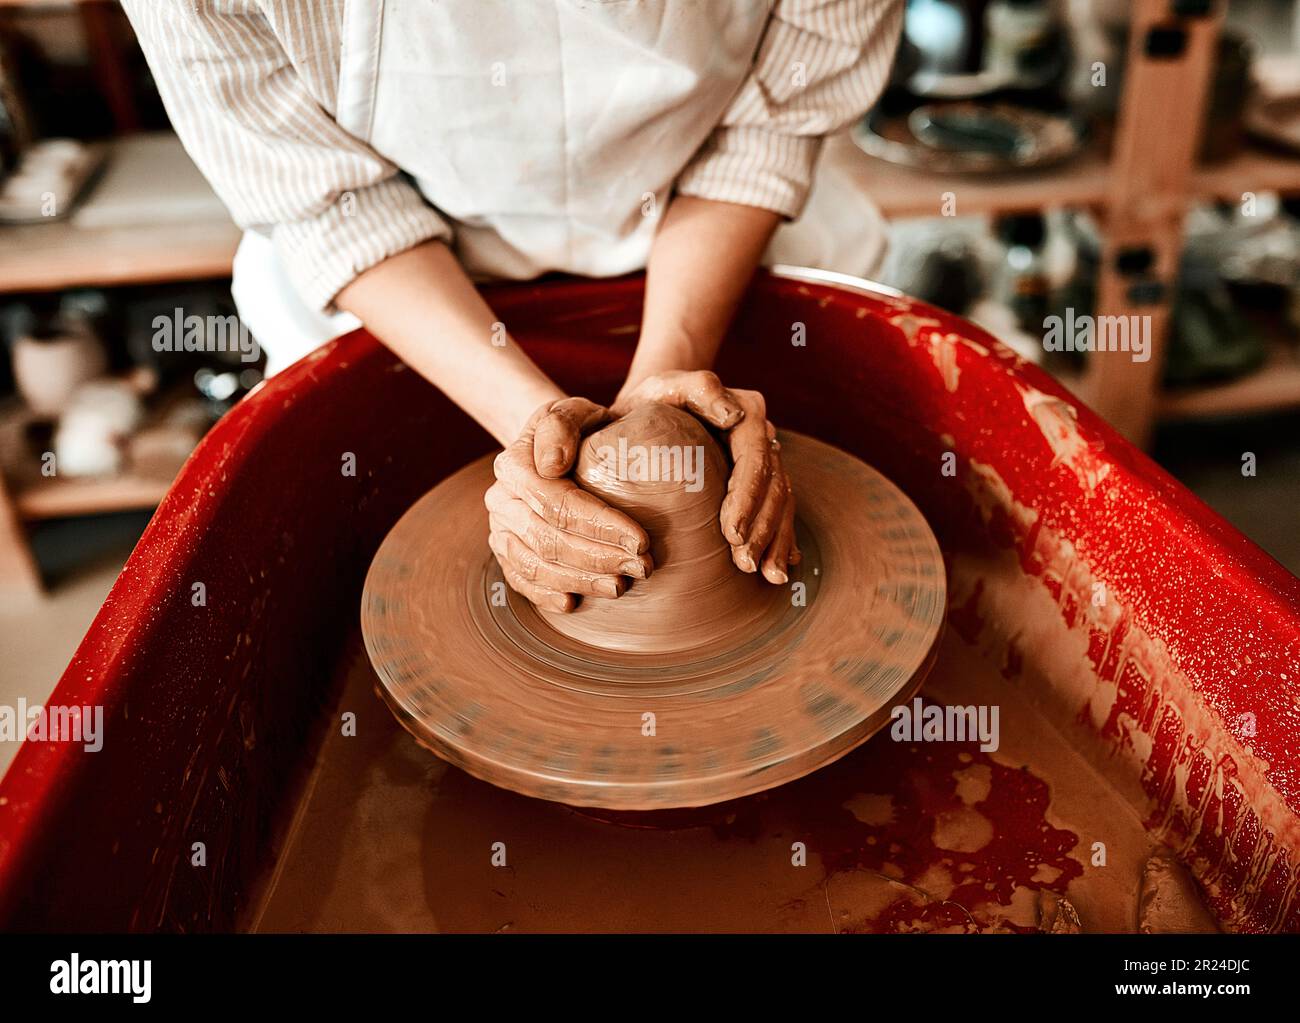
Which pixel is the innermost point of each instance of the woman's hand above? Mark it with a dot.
(554, 541)
(757, 514)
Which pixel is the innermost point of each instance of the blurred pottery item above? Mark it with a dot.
(967, 128)
(159, 451)
(948, 275)
(143, 380)
(1023, 42)
(968, 50)
(1021, 282)
(1210, 339)
(1098, 31)
(942, 33)
(51, 362)
(51, 177)
(970, 138)
(944, 36)
(93, 429)
(15, 124)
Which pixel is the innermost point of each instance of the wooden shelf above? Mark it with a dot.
(35, 497)
(50, 257)
(1253, 170)
(1275, 385)
(60, 498)
(150, 218)
(911, 192)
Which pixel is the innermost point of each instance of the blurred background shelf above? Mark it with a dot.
(64, 498)
(912, 192)
(36, 497)
(1272, 387)
(1252, 170)
(51, 257)
(151, 217)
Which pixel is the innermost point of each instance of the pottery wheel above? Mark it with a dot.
(605, 707)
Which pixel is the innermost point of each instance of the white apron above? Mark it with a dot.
(542, 131)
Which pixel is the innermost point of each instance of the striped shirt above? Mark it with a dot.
(252, 88)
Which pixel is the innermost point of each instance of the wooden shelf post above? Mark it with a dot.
(1166, 83)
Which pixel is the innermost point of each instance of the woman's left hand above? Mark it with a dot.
(757, 515)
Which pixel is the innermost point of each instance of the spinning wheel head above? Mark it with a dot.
(699, 684)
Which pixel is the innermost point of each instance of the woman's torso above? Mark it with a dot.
(549, 131)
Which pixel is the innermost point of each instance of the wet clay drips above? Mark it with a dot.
(662, 467)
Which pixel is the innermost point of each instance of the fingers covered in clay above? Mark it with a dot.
(564, 504)
(762, 532)
(557, 431)
(509, 514)
(751, 443)
(699, 392)
(757, 515)
(552, 567)
(552, 600)
(554, 541)
(782, 552)
(535, 569)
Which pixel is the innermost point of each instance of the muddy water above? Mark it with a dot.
(897, 836)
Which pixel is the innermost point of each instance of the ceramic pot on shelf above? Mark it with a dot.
(52, 360)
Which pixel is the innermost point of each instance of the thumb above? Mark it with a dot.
(558, 433)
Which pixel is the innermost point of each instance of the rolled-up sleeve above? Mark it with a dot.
(820, 64)
(281, 164)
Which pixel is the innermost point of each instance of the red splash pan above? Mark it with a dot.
(1158, 642)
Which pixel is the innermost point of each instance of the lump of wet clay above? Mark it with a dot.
(662, 467)
(1169, 901)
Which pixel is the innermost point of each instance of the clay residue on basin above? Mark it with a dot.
(1069, 642)
(896, 836)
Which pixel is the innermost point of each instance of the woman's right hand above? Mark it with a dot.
(554, 541)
